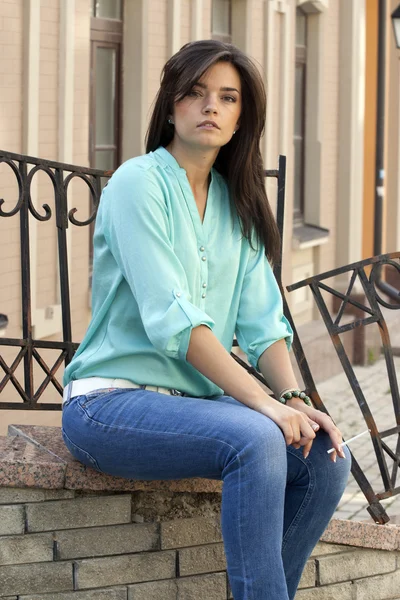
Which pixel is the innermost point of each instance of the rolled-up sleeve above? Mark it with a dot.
(137, 231)
(260, 321)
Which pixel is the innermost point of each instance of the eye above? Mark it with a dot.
(229, 98)
(194, 93)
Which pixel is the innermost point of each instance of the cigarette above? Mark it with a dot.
(350, 440)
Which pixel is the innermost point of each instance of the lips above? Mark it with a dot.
(209, 124)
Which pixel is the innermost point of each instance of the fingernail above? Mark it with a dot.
(334, 460)
(306, 454)
(315, 427)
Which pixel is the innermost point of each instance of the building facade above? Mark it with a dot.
(78, 79)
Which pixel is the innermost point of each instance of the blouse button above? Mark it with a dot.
(202, 248)
(204, 285)
(178, 294)
(203, 258)
(203, 295)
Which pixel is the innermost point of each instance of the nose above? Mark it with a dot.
(210, 106)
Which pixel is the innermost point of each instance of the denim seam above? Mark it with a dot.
(200, 437)
(91, 458)
(240, 534)
(306, 499)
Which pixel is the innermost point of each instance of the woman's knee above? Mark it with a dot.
(335, 473)
(261, 436)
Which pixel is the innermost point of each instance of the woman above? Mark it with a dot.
(182, 250)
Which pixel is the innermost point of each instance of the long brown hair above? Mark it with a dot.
(239, 161)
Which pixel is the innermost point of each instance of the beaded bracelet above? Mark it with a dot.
(288, 394)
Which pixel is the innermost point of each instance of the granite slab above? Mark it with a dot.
(363, 534)
(80, 477)
(24, 465)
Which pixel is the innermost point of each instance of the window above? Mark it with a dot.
(221, 20)
(299, 114)
(105, 87)
(107, 9)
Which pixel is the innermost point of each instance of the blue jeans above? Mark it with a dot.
(275, 503)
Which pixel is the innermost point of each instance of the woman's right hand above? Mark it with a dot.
(298, 429)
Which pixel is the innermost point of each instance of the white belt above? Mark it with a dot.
(80, 387)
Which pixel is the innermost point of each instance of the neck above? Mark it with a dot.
(196, 162)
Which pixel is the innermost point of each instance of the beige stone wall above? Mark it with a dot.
(46, 251)
(10, 139)
(157, 49)
(185, 22)
(325, 255)
(56, 542)
(79, 194)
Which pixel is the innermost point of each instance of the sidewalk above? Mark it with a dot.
(340, 402)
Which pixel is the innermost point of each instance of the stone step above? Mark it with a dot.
(36, 456)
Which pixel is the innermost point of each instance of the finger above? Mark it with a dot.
(337, 441)
(313, 424)
(296, 433)
(333, 456)
(307, 448)
(306, 430)
(287, 432)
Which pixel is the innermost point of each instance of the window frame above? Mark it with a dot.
(301, 61)
(222, 37)
(106, 33)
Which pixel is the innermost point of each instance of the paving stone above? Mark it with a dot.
(154, 590)
(323, 548)
(12, 520)
(210, 587)
(354, 565)
(343, 591)
(104, 594)
(78, 512)
(103, 541)
(378, 588)
(21, 495)
(309, 575)
(36, 578)
(201, 559)
(190, 532)
(130, 568)
(19, 549)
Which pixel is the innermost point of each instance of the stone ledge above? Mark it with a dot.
(36, 457)
(362, 534)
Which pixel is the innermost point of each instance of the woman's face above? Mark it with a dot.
(209, 114)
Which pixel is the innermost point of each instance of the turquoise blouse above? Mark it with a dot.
(159, 271)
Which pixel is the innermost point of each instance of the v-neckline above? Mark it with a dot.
(206, 206)
(203, 220)
(183, 178)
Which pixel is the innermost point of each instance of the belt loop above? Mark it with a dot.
(68, 389)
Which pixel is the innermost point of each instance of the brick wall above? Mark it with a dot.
(66, 545)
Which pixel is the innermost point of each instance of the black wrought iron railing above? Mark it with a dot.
(368, 303)
(30, 350)
(61, 176)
